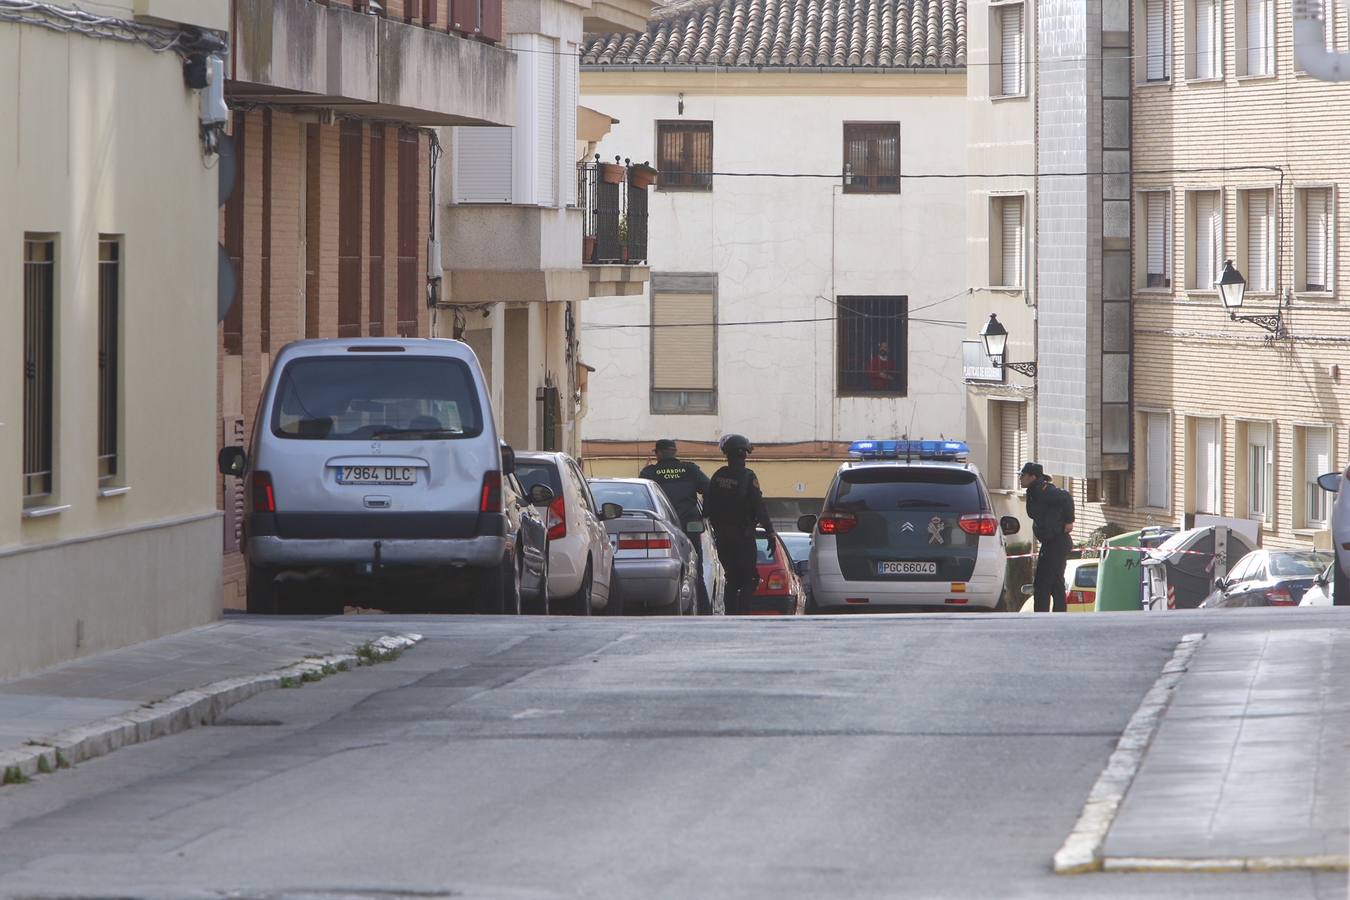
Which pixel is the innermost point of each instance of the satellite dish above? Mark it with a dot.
(227, 283)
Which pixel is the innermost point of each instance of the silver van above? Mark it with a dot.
(376, 458)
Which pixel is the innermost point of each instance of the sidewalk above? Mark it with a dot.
(1248, 767)
(91, 706)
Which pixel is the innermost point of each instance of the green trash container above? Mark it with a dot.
(1120, 583)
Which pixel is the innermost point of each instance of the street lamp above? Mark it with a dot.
(996, 345)
(1233, 289)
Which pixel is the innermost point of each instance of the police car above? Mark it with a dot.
(908, 524)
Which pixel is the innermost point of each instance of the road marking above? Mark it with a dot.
(1082, 849)
(536, 713)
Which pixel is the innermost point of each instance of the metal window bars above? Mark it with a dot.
(39, 282)
(614, 212)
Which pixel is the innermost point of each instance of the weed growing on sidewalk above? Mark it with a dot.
(288, 682)
(369, 654)
(44, 767)
(311, 677)
(61, 761)
(343, 667)
(14, 775)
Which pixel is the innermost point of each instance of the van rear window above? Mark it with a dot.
(341, 398)
(885, 488)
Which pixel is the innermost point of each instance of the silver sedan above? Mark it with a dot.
(654, 559)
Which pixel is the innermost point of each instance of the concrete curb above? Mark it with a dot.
(184, 710)
(1082, 849)
(1326, 863)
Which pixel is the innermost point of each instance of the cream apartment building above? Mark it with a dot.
(109, 532)
(1238, 156)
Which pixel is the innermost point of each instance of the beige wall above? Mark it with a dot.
(103, 139)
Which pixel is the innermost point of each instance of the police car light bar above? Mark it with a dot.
(930, 450)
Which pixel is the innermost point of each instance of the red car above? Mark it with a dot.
(780, 591)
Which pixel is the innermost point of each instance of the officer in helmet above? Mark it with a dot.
(734, 504)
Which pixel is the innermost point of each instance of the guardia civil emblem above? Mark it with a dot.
(936, 530)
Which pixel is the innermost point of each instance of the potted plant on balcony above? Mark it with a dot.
(623, 235)
(612, 173)
(642, 175)
(587, 248)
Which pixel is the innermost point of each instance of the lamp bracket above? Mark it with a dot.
(1025, 368)
(1274, 324)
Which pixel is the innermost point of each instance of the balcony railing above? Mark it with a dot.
(614, 202)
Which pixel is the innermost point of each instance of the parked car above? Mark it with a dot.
(1269, 578)
(374, 459)
(780, 591)
(655, 563)
(1335, 483)
(798, 544)
(1080, 585)
(528, 531)
(580, 554)
(1320, 592)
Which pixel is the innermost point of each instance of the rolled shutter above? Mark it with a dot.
(1157, 240)
(1316, 234)
(1012, 58)
(567, 134)
(1207, 466)
(1260, 40)
(683, 342)
(1010, 424)
(483, 165)
(1316, 453)
(1207, 236)
(1010, 227)
(1155, 40)
(1258, 241)
(1159, 461)
(546, 114)
(1206, 32)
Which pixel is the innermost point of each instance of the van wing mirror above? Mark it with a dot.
(508, 460)
(1330, 482)
(610, 511)
(807, 524)
(541, 495)
(1010, 524)
(232, 461)
(695, 527)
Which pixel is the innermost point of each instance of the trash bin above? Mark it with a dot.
(1120, 573)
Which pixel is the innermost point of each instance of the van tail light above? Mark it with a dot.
(1280, 596)
(777, 580)
(837, 523)
(557, 519)
(980, 524)
(264, 497)
(491, 501)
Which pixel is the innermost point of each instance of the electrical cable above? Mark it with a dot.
(184, 42)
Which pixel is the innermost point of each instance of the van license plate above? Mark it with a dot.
(377, 475)
(906, 568)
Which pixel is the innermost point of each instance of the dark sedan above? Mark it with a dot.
(1269, 578)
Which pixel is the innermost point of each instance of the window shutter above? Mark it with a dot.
(1316, 238)
(482, 165)
(491, 24)
(1207, 236)
(1258, 241)
(1011, 427)
(1316, 453)
(1206, 32)
(1011, 56)
(1207, 466)
(1260, 43)
(1155, 40)
(1159, 461)
(1011, 241)
(464, 16)
(546, 114)
(683, 352)
(1157, 240)
(567, 134)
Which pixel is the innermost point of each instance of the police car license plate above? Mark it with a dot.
(906, 568)
(377, 475)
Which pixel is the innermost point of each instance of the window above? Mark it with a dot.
(1207, 453)
(1257, 257)
(483, 165)
(873, 346)
(39, 302)
(1158, 238)
(1010, 68)
(1315, 240)
(1157, 41)
(1158, 461)
(684, 155)
(1260, 474)
(1008, 424)
(1205, 237)
(1316, 459)
(1007, 264)
(1205, 40)
(684, 343)
(872, 158)
(109, 359)
(1255, 37)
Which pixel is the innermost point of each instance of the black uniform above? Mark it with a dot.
(734, 504)
(682, 482)
(1050, 509)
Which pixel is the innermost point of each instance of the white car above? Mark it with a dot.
(1320, 592)
(1335, 482)
(908, 524)
(580, 553)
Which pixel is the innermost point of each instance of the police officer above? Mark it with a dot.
(682, 483)
(1051, 512)
(734, 504)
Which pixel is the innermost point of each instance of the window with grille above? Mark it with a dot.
(684, 153)
(109, 357)
(1206, 240)
(1206, 40)
(1157, 41)
(1007, 242)
(872, 158)
(873, 346)
(1257, 262)
(1008, 421)
(39, 301)
(1260, 470)
(1255, 26)
(1158, 461)
(684, 343)
(1011, 70)
(1207, 452)
(1316, 445)
(1315, 258)
(1158, 238)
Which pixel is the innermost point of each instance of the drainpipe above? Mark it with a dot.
(1310, 48)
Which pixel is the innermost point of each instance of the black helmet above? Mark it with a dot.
(733, 442)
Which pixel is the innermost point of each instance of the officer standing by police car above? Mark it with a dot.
(1051, 512)
(734, 504)
(682, 483)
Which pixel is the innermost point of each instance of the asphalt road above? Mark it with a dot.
(895, 756)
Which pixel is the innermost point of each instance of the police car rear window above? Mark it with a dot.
(884, 488)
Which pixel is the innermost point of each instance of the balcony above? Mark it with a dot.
(614, 199)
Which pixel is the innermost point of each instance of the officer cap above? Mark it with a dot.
(665, 444)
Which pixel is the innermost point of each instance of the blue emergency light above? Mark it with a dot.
(927, 450)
